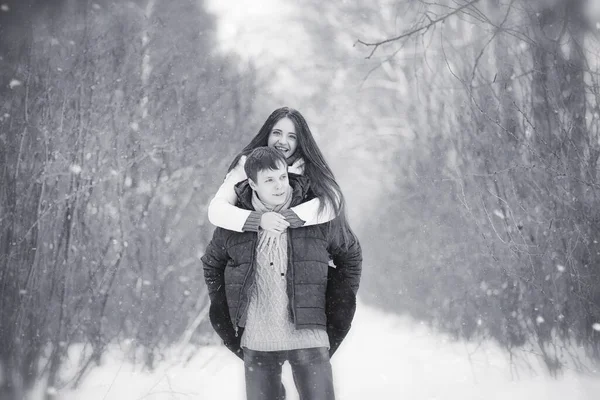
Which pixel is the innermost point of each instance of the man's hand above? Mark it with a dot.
(235, 348)
(273, 222)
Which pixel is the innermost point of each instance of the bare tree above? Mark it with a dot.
(107, 118)
(508, 88)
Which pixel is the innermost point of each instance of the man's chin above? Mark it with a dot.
(277, 201)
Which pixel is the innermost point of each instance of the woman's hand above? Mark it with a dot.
(273, 222)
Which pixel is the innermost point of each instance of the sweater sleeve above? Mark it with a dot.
(309, 213)
(222, 211)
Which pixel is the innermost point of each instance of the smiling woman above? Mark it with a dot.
(283, 137)
(286, 130)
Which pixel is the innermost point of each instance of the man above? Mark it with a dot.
(274, 296)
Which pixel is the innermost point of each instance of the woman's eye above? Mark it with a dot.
(275, 133)
(293, 137)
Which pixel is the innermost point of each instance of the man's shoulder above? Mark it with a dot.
(243, 192)
(301, 190)
(316, 232)
(232, 237)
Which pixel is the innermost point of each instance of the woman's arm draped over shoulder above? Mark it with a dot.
(307, 213)
(222, 211)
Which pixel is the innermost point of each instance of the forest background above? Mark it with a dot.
(465, 135)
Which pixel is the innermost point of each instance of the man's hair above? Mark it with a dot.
(263, 158)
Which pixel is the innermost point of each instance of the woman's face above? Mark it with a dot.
(283, 137)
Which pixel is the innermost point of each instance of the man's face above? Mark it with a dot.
(272, 186)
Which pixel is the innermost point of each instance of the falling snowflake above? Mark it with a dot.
(539, 319)
(499, 214)
(4, 7)
(560, 268)
(596, 327)
(14, 83)
(76, 169)
(144, 187)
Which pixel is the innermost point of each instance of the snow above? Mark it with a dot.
(383, 357)
(14, 83)
(76, 169)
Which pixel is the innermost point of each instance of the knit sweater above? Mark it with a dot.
(268, 325)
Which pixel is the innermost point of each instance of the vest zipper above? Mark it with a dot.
(292, 275)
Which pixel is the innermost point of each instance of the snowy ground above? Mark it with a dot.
(384, 357)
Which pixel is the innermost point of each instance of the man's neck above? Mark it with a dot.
(269, 206)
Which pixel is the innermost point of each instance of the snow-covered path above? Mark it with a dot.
(384, 357)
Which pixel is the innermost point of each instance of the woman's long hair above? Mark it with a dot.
(322, 180)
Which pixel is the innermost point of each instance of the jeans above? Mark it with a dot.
(311, 370)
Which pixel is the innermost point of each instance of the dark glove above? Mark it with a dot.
(340, 308)
(221, 322)
(335, 338)
(235, 348)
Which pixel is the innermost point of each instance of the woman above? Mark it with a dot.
(286, 130)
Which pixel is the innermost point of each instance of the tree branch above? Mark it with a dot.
(431, 23)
